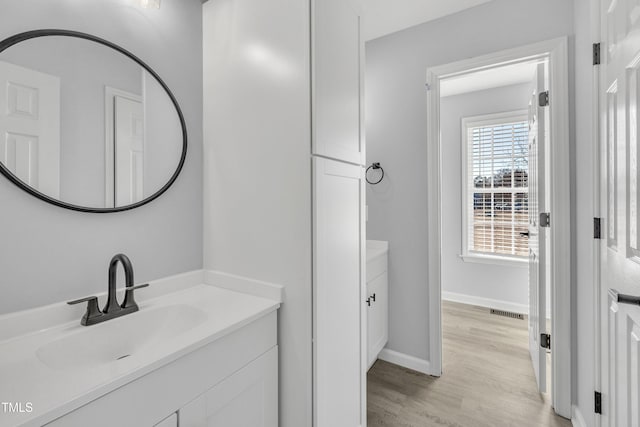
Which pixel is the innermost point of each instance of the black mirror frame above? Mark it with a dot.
(13, 40)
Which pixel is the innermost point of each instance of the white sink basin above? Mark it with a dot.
(58, 365)
(113, 340)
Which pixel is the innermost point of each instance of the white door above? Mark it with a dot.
(129, 150)
(337, 80)
(620, 189)
(538, 203)
(30, 127)
(248, 398)
(339, 295)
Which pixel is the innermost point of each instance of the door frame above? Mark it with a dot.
(556, 52)
(109, 139)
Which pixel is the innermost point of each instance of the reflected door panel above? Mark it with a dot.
(129, 151)
(30, 127)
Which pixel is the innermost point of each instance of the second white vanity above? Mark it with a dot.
(201, 353)
(378, 298)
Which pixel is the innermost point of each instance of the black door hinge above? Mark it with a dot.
(596, 54)
(597, 402)
(545, 341)
(543, 98)
(545, 219)
(597, 228)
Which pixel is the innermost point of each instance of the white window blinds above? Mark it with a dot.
(497, 194)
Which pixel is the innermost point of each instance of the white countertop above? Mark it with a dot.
(375, 248)
(55, 392)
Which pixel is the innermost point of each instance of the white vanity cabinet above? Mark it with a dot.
(248, 398)
(232, 381)
(377, 298)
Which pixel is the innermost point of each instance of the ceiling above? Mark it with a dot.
(384, 17)
(487, 79)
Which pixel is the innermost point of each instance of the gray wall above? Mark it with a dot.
(396, 134)
(49, 254)
(497, 282)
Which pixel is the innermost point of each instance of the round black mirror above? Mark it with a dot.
(85, 124)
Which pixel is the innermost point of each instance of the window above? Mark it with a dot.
(495, 186)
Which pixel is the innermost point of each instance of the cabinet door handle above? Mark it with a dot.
(373, 297)
(369, 302)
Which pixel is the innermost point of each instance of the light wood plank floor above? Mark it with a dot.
(488, 379)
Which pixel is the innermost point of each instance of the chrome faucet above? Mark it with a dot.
(112, 309)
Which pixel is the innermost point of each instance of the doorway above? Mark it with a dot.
(545, 259)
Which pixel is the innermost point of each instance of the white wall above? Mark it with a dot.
(257, 191)
(49, 254)
(508, 284)
(396, 135)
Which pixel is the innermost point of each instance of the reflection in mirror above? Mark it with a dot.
(84, 124)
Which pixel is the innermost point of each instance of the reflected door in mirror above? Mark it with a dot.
(129, 154)
(30, 126)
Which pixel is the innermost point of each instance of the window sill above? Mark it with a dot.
(496, 260)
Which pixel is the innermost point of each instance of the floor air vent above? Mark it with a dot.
(507, 314)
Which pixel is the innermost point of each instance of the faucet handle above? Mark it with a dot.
(92, 308)
(131, 288)
(81, 300)
(129, 302)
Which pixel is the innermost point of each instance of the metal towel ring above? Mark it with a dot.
(374, 174)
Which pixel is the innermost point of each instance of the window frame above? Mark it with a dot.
(472, 122)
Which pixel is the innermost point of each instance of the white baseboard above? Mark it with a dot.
(577, 420)
(405, 360)
(485, 302)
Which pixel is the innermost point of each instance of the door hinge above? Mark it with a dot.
(596, 54)
(545, 341)
(545, 219)
(597, 402)
(597, 228)
(543, 98)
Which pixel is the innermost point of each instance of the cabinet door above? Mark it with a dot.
(337, 54)
(248, 398)
(338, 294)
(378, 313)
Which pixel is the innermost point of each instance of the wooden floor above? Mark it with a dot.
(487, 379)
